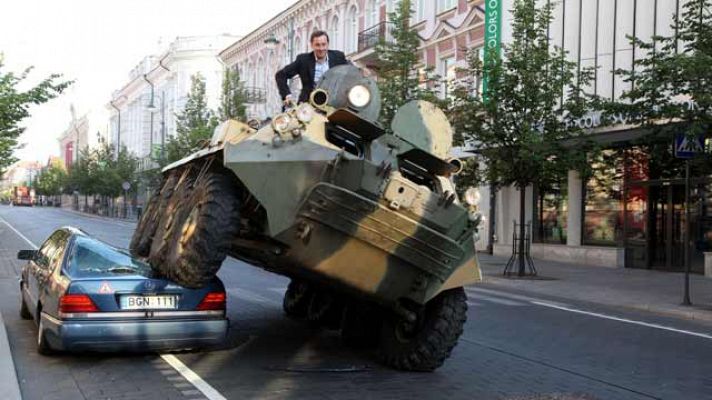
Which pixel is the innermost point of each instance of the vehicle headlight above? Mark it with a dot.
(281, 122)
(305, 112)
(476, 217)
(472, 196)
(359, 96)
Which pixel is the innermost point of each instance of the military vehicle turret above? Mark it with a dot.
(366, 223)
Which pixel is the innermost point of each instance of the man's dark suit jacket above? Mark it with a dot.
(304, 67)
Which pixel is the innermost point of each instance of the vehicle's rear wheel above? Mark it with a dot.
(324, 309)
(296, 299)
(146, 228)
(24, 310)
(43, 346)
(425, 344)
(203, 230)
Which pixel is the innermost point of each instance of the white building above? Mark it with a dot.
(447, 28)
(635, 218)
(142, 113)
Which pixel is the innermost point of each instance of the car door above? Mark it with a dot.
(39, 270)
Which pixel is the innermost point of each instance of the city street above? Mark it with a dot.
(513, 347)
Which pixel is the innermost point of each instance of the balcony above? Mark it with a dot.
(255, 95)
(369, 38)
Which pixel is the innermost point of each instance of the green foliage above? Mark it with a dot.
(399, 79)
(101, 172)
(51, 180)
(195, 124)
(671, 88)
(15, 106)
(233, 97)
(525, 130)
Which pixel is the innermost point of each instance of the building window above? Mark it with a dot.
(551, 211)
(444, 5)
(448, 72)
(603, 205)
(351, 30)
(371, 13)
(335, 32)
(420, 10)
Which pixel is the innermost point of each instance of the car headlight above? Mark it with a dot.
(305, 112)
(476, 217)
(472, 196)
(281, 122)
(359, 96)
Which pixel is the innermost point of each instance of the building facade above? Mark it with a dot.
(447, 29)
(142, 112)
(633, 214)
(83, 132)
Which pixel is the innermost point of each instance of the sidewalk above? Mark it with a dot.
(647, 290)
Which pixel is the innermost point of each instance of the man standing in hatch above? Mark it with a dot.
(310, 67)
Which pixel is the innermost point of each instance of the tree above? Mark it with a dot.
(399, 78)
(51, 180)
(233, 97)
(671, 87)
(15, 106)
(194, 125)
(525, 127)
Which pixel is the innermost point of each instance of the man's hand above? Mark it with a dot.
(288, 101)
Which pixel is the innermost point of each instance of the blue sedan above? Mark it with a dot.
(87, 295)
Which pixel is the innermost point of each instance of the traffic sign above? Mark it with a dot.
(687, 147)
(126, 185)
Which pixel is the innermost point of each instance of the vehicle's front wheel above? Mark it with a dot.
(296, 299)
(43, 346)
(24, 310)
(199, 243)
(425, 344)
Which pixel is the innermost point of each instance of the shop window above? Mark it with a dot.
(551, 210)
(603, 206)
(444, 5)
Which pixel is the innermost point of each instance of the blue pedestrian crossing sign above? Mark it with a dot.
(687, 147)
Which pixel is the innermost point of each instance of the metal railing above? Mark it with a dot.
(369, 38)
(255, 95)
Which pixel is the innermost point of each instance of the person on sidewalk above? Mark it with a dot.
(310, 67)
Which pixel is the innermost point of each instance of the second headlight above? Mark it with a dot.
(359, 96)
(281, 122)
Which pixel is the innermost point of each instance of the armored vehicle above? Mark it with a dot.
(365, 222)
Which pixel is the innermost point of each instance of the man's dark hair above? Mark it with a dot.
(317, 34)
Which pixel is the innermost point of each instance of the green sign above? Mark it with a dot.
(493, 33)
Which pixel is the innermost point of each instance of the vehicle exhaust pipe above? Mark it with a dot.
(458, 164)
(319, 98)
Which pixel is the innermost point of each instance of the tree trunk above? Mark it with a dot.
(522, 208)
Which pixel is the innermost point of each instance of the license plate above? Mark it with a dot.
(149, 302)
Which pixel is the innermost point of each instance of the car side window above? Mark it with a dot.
(58, 255)
(49, 249)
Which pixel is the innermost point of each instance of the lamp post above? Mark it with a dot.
(271, 43)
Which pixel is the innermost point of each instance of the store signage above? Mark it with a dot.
(493, 34)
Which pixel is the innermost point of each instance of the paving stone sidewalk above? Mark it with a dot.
(660, 292)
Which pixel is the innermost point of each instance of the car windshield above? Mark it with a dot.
(91, 257)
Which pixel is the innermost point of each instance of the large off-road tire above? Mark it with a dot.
(296, 299)
(174, 213)
(324, 309)
(204, 229)
(426, 344)
(146, 228)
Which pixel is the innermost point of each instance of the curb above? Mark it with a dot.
(100, 217)
(692, 313)
(9, 387)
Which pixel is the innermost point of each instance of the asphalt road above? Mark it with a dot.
(514, 347)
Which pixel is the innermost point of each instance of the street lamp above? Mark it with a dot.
(271, 42)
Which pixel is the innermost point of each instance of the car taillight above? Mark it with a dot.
(76, 303)
(213, 301)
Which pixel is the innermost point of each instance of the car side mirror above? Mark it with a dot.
(27, 254)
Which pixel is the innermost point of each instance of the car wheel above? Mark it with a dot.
(24, 310)
(296, 299)
(199, 242)
(423, 345)
(42, 346)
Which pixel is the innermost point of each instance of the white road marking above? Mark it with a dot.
(629, 321)
(193, 378)
(494, 300)
(473, 304)
(252, 297)
(174, 362)
(480, 290)
(19, 234)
